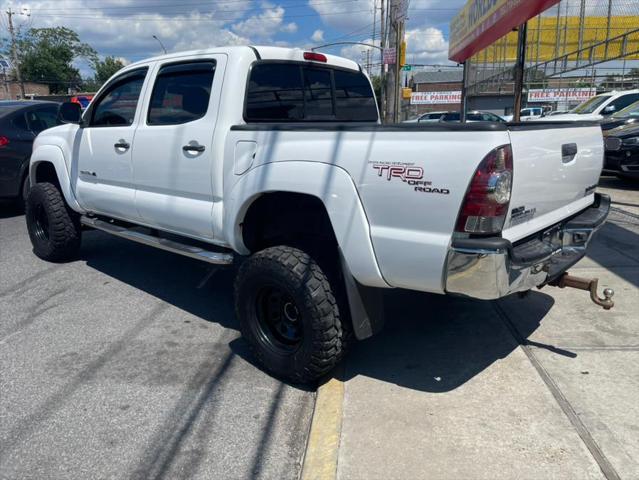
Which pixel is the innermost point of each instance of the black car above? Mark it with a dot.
(20, 122)
(628, 115)
(622, 150)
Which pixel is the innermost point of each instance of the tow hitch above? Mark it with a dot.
(567, 280)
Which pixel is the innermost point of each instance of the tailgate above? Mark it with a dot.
(556, 168)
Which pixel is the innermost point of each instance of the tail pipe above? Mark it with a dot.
(591, 285)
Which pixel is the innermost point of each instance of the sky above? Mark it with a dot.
(125, 28)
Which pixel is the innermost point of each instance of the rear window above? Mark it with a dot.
(294, 92)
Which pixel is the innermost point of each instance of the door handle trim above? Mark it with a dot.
(194, 148)
(122, 144)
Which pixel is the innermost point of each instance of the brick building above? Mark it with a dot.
(10, 90)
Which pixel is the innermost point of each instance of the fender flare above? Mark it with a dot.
(333, 186)
(53, 154)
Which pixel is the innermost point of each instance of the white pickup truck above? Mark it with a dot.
(274, 160)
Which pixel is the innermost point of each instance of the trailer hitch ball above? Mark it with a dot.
(591, 285)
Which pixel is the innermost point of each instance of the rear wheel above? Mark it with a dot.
(288, 314)
(54, 229)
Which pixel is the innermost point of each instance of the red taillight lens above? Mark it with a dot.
(486, 203)
(4, 141)
(316, 57)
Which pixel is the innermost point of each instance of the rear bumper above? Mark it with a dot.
(490, 268)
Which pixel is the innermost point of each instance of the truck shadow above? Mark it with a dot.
(188, 284)
(435, 344)
(9, 209)
(430, 342)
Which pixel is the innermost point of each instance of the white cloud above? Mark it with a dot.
(125, 28)
(318, 36)
(426, 45)
(289, 28)
(266, 24)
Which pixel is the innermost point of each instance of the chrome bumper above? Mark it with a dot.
(490, 268)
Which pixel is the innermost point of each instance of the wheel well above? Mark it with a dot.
(287, 218)
(45, 172)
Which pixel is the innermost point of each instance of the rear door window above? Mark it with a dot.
(42, 118)
(20, 122)
(296, 92)
(624, 101)
(181, 93)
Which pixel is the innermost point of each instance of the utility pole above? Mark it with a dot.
(395, 32)
(14, 51)
(520, 71)
(391, 75)
(382, 71)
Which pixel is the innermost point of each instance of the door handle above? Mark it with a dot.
(122, 144)
(194, 148)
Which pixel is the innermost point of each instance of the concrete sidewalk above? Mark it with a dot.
(540, 387)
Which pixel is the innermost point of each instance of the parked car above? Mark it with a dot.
(472, 116)
(82, 100)
(427, 117)
(557, 112)
(20, 122)
(622, 151)
(274, 159)
(597, 107)
(628, 115)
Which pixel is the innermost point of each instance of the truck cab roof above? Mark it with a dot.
(260, 52)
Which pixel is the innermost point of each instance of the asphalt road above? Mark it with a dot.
(127, 363)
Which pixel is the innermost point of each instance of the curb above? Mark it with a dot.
(320, 458)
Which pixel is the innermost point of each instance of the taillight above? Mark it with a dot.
(486, 203)
(316, 57)
(4, 141)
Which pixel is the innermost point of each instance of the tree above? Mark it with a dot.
(46, 55)
(104, 69)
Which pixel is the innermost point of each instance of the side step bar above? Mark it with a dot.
(217, 258)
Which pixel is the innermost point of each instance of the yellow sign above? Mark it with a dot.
(482, 22)
(402, 54)
(548, 40)
(406, 93)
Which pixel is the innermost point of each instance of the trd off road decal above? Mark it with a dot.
(407, 173)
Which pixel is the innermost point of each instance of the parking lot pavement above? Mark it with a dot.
(118, 366)
(544, 386)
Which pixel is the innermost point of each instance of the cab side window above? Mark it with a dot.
(181, 93)
(117, 104)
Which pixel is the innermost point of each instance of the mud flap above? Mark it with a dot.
(366, 305)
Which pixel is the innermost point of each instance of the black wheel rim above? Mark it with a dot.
(279, 319)
(41, 223)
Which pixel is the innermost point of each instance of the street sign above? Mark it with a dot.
(407, 93)
(389, 56)
(407, 68)
(561, 94)
(434, 98)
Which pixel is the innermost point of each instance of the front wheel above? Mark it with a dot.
(54, 229)
(288, 314)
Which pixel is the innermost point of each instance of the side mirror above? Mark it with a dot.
(70, 112)
(609, 109)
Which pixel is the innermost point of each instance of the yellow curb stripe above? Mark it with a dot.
(320, 459)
